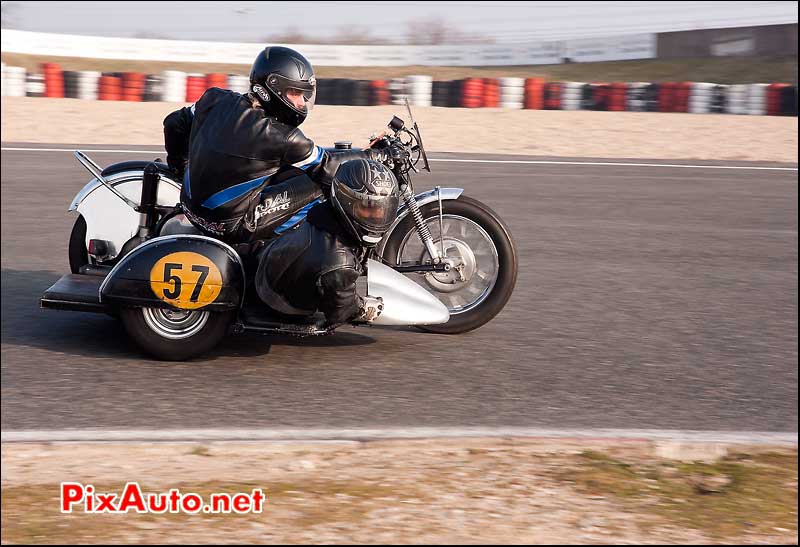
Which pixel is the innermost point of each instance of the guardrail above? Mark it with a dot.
(613, 48)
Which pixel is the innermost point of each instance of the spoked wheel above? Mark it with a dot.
(175, 335)
(482, 255)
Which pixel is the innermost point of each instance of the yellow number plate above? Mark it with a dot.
(186, 280)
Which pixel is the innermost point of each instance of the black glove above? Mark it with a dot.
(178, 171)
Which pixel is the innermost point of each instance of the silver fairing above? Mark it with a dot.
(404, 302)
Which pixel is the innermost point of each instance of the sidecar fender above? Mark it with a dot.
(111, 219)
(187, 272)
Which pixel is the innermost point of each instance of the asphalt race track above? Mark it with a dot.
(647, 297)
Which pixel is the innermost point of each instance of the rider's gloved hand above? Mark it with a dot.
(371, 309)
(398, 152)
(395, 153)
(178, 168)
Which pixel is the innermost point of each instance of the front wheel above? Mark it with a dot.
(175, 335)
(479, 247)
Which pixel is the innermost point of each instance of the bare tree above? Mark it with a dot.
(437, 32)
(290, 36)
(418, 32)
(356, 36)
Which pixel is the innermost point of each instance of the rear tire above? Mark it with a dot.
(175, 335)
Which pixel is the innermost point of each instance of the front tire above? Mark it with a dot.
(175, 335)
(477, 238)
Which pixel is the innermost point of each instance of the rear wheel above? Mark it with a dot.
(174, 335)
(481, 251)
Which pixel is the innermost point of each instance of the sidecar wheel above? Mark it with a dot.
(175, 335)
(78, 255)
(475, 238)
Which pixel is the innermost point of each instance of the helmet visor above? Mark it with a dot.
(299, 95)
(369, 212)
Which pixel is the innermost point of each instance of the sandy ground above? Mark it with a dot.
(495, 131)
(475, 491)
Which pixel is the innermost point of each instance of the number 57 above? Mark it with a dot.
(175, 292)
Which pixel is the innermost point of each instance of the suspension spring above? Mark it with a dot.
(422, 227)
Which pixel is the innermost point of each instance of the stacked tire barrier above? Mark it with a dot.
(666, 97)
(534, 93)
(777, 99)
(216, 80)
(34, 85)
(572, 96)
(173, 86)
(238, 83)
(419, 89)
(600, 96)
(195, 87)
(701, 97)
(789, 101)
(153, 88)
(491, 93)
(356, 93)
(636, 97)
(552, 95)
(718, 98)
(133, 86)
(82, 84)
(326, 91)
(472, 93)
(379, 93)
(757, 99)
(53, 80)
(618, 92)
(14, 81)
(397, 88)
(737, 99)
(512, 93)
(110, 88)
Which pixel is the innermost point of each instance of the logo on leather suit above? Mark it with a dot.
(281, 202)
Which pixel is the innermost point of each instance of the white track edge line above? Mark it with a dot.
(344, 434)
(458, 160)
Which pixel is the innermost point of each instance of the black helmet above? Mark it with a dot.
(366, 195)
(277, 69)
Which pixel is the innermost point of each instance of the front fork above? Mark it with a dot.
(438, 255)
(422, 227)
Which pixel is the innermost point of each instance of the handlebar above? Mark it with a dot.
(409, 139)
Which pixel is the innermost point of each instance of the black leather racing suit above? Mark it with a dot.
(313, 268)
(233, 148)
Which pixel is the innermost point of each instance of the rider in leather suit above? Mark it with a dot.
(234, 144)
(315, 267)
